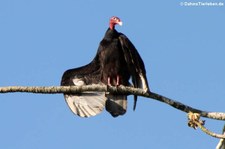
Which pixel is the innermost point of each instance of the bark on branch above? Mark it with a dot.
(121, 90)
(221, 144)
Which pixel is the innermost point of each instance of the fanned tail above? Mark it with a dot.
(116, 104)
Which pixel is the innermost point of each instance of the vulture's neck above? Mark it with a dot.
(111, 33)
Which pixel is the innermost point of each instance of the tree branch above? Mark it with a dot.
(117, 90)
(221, 144)
(194, 121)
(213, 134)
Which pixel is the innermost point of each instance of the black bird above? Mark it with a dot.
(115, 62)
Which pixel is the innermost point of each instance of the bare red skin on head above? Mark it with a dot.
(113, 21)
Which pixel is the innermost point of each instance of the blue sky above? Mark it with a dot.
(182, 46)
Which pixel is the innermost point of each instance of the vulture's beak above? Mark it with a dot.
(120, 23)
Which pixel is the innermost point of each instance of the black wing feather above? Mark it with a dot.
(135, 65)
(85, 104)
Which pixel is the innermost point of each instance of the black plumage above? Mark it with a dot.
(85, 104)
(115, 62)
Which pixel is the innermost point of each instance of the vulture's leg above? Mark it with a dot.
(117, 80)
(109, 82)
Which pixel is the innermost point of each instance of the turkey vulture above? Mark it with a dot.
(115, 62)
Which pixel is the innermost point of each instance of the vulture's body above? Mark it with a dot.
(115, 62)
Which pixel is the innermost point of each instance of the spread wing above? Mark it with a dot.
(89, 103)
(135, 65)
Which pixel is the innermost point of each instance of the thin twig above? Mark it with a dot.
(213, 134)
(221, 144)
